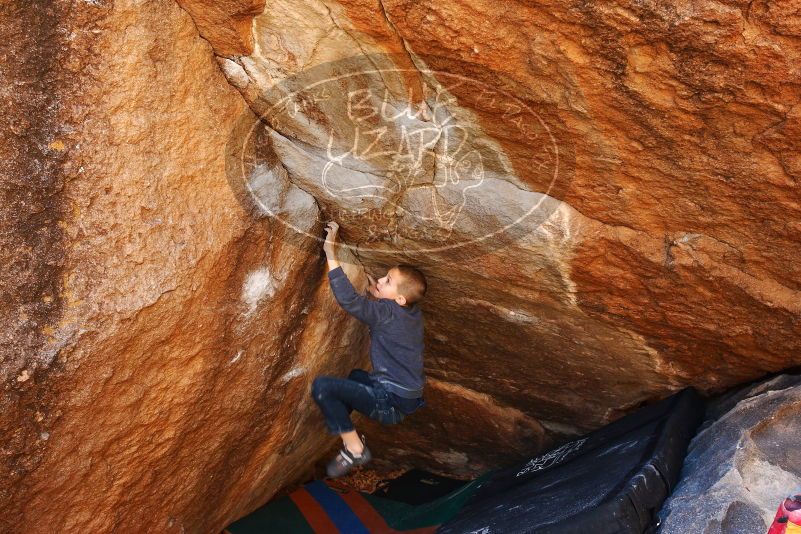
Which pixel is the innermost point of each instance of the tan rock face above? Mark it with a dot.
(676, 146)
(604, 200)
(657, 257)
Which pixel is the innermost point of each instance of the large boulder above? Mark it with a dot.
(604, 198)
(742, 464)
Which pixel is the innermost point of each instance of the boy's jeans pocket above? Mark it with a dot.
(384, 411)
(387, 415)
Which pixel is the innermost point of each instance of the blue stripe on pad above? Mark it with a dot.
(337, 509)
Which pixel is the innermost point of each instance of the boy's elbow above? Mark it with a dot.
(349, 306)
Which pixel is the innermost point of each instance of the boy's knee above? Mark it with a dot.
(318, 387)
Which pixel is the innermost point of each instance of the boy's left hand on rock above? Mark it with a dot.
(331, 230)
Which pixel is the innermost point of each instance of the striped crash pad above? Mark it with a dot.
(324, 507)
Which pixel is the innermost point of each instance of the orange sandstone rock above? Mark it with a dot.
(160, 338)
(164, 303)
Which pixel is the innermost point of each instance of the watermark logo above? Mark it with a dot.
(405, 159)
(551, 458)
(413, 148)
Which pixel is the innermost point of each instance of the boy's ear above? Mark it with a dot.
(400, 299)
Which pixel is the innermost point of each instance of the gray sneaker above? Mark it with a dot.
(344, 461)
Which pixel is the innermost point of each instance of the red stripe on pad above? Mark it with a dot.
(372, 519)
(314, 514)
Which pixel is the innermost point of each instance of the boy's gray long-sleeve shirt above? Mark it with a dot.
(396, 336)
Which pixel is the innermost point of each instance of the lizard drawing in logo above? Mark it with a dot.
(396, 154)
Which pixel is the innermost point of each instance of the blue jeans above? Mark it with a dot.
(337, 397)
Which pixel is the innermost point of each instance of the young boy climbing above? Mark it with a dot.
(395, 387)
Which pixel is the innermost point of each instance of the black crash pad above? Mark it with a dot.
(417, 487)
(613, 480)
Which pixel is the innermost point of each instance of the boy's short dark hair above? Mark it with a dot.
(413, 283)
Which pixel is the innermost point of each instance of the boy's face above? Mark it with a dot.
(387, 287)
